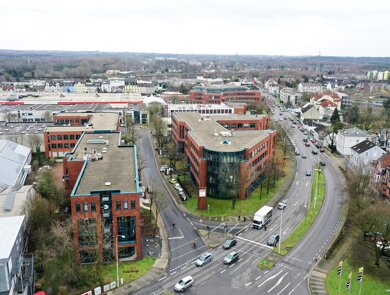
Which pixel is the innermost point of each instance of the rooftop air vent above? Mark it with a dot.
(107, 183)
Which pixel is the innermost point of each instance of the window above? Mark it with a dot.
(66, 145)
(60, 145)
(53, 137)
(71, 137)
(118, 205)
(85, 207)
(66, 137)
(132, 204)
(252, 125)
(93, 207)
(72, 145)
(53, 146)
(59, 137)
(126, 205)
(78, 208)
(78, 136)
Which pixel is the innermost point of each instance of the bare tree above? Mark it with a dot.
(47, 116)
(161, 202)
(159, 129)
(358, 188)
(172, 153)
(35, 143)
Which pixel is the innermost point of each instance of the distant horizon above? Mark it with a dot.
(173, 53)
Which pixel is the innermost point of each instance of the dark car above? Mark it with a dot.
(305, 140)
(229, 243)
(322, 163)
(307, 143)
(273, 240)
(314, 152)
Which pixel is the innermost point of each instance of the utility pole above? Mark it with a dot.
(280, 230)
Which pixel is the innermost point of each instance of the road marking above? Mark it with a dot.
(184, 267)
(178, 237)
(272, 228)
(256, 243)
(296, 203)
(257, 278)
(278, 282)
(285, 287)
(286, 230)
(307, 183)
(247, 284)
(270, 278)
(223, 271)
(173, 272)
(233, 227)
(297, 182)
(160, 279)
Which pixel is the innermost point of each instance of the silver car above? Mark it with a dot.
(183, 284)
(204, 259)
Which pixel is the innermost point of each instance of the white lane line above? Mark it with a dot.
(278, 282)
(284, 288)
(297, 182)
(223, 271)
(257, 278)
(272, 228)
(295, 203)
(247, 284)
(160, 279)
(178, 237)
(173, 272)
(253, 242)
(270, 278)
(233, 227)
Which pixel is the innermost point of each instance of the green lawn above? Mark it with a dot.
(265, 264)
(310, 217)
(128, 270)
(224, 207)
(372, 284)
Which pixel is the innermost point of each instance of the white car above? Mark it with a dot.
(184, 283)
(177, 186)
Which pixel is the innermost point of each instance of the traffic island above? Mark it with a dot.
(211, 238)
(265, 264)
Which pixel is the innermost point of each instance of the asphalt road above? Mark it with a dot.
(289, 276)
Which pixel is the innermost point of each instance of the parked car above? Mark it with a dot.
(322, 163)
(304, 156)
(307, 143)
(172, 180)
(231, 257)
(204, 259)
(177, 186)
(163, 168)
(314, 152)
(297, 152)
(308, 172)
(229, 243)
(273, 240)
(183, 196)
(184, 283)
(305, 139)
(322, 150)
(282, 205)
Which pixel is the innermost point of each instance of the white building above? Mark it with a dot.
(140, 87)
(289, 95)
(364, 154)
(310, 88)
(347, 138)
(210, 109)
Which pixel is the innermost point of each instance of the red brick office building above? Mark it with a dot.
(102, 178)
(222, 151)
(68, 128)
(223, 93)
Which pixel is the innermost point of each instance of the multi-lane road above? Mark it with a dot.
(289, 276)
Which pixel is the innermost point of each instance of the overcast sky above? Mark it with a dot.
(277, 27)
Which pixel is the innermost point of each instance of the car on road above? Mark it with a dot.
(304, 156)
(322, 149)
(305, 139)
(172, 180)
(314, 152)
(307, 143)
(308, 172)
(297, 152)
(184, 284)
(273, 240)
(204, 259)
(322, 163)
(229, 243)
(282, 205)
(231, 257)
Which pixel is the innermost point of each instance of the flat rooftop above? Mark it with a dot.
(9, 228)
(21, 196)
(99, 121)
(117, 167)
(209, 133)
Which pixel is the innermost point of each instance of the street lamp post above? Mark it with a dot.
(315, 195)
(117, 257)
(208, 209)
(280, 230)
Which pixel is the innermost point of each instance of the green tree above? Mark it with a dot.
(386, 106)
(335, 118)
(352, 115)
(47, 188)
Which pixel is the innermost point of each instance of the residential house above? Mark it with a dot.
(364, 154)
(310, 88)
(347, 138)
(381, 176)
(289, 96)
